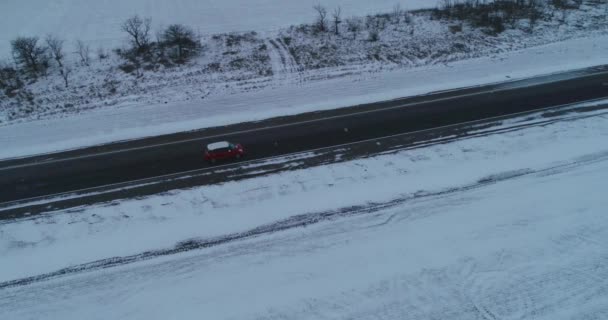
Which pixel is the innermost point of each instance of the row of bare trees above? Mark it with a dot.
(495, 14)
(372, 23)
(34, 57)
(178, 41)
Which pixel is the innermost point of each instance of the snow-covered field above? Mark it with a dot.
(505, 226)
(130, 122)
(98, 22)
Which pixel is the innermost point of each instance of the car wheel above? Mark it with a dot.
(212, 161)
(238, 156)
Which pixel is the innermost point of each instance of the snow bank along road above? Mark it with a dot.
(69, 171)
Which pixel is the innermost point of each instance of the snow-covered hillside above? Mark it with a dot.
(98, 22)
(250, 62)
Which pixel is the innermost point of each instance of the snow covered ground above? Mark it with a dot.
(136, 121)
(526, 249)
(509, 225)
(98, 22)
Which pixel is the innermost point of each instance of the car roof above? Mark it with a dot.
(218, 145)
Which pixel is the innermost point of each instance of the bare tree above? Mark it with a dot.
(182, 39)
(321, 23)
(139, 31)
(83, 52)
(337, 19)
(30, 55)
(65, 72)
(55, 46)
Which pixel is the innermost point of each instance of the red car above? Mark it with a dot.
(223, 150)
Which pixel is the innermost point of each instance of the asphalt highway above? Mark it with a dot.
(132, 160)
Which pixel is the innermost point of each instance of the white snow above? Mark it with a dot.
(527, 247)
(98, 22)
(130, 122)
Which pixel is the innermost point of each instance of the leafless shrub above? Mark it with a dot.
(128, 68)
(377, 22)
(373, 35)
(455, 28)
(10, 80)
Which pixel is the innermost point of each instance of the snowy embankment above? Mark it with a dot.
(502, 226)
(113, 123)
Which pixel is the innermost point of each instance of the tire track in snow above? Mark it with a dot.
(303, 220)
(277, 60)
(282, 61)
(530, 292)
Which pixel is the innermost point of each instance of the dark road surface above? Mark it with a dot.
(138, 159)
